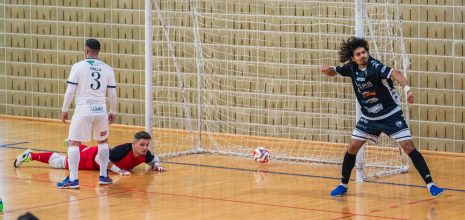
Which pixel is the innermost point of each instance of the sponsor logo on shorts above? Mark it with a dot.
(363, 127)
(399, 124)
(103, 133)
(364, 120)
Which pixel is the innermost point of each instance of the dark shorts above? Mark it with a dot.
(394, 126)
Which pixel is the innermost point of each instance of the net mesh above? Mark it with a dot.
(247, 74)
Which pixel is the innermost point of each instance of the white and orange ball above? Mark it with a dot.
(261, 155)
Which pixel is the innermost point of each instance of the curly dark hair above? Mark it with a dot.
(346, 50)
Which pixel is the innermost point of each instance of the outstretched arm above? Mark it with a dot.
(118, 170)
(114, 168)
(328, 70)
(155, 163)
(399, 77)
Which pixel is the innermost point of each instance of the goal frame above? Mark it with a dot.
(197, 148)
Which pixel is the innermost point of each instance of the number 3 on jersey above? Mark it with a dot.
(96, 77)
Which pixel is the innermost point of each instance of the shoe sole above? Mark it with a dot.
(438, 194)
(68, 187)
(105, 183)
(14, 164)
(338, 195)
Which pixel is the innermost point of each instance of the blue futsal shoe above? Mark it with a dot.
(436, 191)
(339, 191)
(105, 180)
(68, 184)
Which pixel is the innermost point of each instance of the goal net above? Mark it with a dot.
(246, 74)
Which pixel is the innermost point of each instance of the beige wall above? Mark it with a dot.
(40, 42)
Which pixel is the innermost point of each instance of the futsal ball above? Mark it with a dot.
(261, 155)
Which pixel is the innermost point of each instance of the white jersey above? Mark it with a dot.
(92, 77)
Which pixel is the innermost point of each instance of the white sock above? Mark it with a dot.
(429, 185)
(104, 157)
(344, 185)
(73, 162)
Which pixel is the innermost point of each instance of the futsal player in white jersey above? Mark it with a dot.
(88, 82)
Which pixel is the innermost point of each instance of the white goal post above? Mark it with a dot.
(232, 75)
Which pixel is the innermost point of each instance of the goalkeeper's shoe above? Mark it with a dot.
(436, 191)
(68, 184)
(105, 180)
(339, 191)
(23, 158)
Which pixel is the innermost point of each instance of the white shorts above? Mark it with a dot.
(82, 126)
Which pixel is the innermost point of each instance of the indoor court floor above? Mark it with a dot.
(205, 186)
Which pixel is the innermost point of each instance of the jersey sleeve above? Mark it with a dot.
(152, 159)
(73, 76)
(69, 95)
(344, 70)
(119, 152)
(112, 82)
(149, 157)
(381, 70)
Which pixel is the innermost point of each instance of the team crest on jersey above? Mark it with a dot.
(399, 124)
(103, 133)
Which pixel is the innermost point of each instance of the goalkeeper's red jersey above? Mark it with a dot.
(121, 155)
